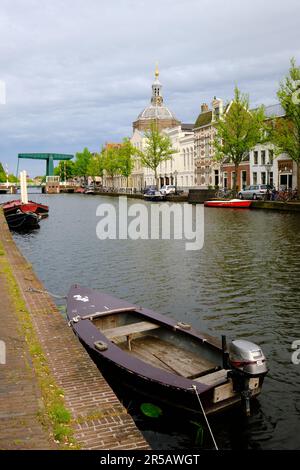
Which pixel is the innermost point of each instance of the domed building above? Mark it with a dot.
(178, 170)
(156, 111)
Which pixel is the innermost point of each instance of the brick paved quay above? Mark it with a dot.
(97, 419)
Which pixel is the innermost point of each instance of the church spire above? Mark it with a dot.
(156, 98)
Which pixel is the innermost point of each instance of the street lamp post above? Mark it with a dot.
(175, 174)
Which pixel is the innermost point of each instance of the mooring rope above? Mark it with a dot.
(204, 414)
(39, 291)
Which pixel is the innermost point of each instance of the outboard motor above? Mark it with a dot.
(246, 360)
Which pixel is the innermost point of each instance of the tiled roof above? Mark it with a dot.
(204, 119)
(274, 110)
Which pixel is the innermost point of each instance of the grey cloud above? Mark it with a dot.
(79, 72)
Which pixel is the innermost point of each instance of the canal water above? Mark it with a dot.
(244, 283)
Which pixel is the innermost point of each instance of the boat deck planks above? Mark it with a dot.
(130, 329)
(165, 355)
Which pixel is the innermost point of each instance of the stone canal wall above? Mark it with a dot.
(276, 205)
(51, 393)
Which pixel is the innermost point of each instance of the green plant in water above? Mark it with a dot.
(150, 410)
(199, 434)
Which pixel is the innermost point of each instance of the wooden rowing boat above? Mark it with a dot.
(162, 358)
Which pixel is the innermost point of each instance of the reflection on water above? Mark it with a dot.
(243, 283)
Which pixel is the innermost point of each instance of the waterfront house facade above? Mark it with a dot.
(208, 170)
(268, 168)
(243, 176)
(178, 171)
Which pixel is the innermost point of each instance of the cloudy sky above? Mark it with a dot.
(78, 72)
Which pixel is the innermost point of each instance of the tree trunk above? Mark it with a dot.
(235, 182)
(156, 180)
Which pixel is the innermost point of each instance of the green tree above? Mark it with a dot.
(285, 132)
(2, 174)
(12, 178)
(111, 162)
(238, 131)
(125, 157)
(82, 160)
(65, 170)
(96, 165)
(158, 149)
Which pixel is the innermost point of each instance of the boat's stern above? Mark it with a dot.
(248, 366)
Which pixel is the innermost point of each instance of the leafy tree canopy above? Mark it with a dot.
(285, 132)
(2, 174)
(111, 161)
(239, 129)
(96, 165)
(158, 149)
(125, 158)
(65, 169)
(81, 164)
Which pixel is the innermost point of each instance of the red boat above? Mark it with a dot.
(11, 207)
(231, 203)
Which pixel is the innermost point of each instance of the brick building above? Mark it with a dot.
(208, 171)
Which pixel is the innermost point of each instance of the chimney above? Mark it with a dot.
(204, 108)
(217, 103)
(217, 106)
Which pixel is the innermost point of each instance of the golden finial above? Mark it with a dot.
(156, 70)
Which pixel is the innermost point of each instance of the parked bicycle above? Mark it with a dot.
(286, 195)
(225, 193)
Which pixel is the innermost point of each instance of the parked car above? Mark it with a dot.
(255, 191)
(151, 194)
(167, 189)
(150, 188)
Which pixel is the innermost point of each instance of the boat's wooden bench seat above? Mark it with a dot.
(213, 379)
(129, 330)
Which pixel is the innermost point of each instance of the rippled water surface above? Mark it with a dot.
(243, 283)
